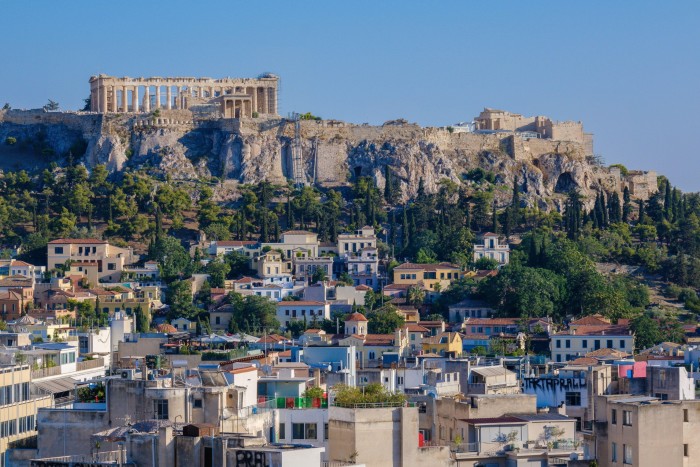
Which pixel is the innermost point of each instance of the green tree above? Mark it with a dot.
(384, 320)
(141, 318)
(646, 332)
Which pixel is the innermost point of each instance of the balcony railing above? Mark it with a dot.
(90, 364)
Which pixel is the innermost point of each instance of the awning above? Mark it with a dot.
(57, 386)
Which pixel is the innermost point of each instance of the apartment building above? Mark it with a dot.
(110, 260)
(645, 431)
(302, 310)
(427, 276)
(577, 342)
(357, 241)
(19, 403)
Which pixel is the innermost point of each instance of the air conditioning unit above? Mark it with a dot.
(128, 374)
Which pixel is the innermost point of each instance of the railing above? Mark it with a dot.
(90, 364)
(374, 405)
(44, 372)
(301, 403)
(98, 458)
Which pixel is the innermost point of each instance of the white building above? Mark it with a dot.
(363, 267)
(300, 310)
(491, 248)
(574, 343)
(20, 268)
(355, 242)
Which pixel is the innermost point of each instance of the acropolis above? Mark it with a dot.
(233, 97)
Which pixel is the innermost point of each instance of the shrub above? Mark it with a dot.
(10, 140)
(375, 393)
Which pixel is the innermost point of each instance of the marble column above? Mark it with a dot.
(158, 97)
(125, 95)
(102, 92)
(169, 95)
(114, 99)
(135, 99)
(263, 98)
(146, 99)
(254, 100)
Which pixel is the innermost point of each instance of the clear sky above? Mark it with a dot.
(628, 69)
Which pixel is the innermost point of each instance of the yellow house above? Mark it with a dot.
(427, 275)
(272, 265)
(445, 343)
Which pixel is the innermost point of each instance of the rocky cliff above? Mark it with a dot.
(334, 153)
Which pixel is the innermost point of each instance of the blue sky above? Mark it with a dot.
(628, 69)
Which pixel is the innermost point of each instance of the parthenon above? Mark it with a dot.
(233, 97)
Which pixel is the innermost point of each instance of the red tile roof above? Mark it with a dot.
(355, 317)
(607, 330)
(590, 320)
(427, 267)
(77, 241)
(416, 328)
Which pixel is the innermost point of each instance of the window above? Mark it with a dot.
(558, 357)
(610, 343)
(627, 418)
(568, 343)
(597, 344)
(573, 399)
(558, 344)
(218, 320)
(613, 417)
(111, 267)
(685, 450)
(304, 431)
(325, 431)
(613, 452)
(58, 250)
(584, 343)
(685, 415)
(283, 431)
(626, 454)
(160, 409)
(622, 343)
(197, 404)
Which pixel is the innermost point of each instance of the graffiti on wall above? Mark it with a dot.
(553, 384)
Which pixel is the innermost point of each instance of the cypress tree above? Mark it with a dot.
(626, 207)
(494, 218)
(516, 202)
(388, 185)
(533, 254)
(404, 229)
(668, 202)
(606, 217)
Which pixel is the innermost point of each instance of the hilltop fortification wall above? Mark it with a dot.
(184, 144)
